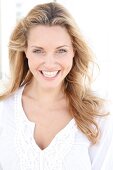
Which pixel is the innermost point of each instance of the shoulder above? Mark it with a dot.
(6, 103)
(102, 152)
(105, 125)
(106, 120)
(7, 108)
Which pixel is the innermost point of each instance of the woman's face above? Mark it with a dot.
(50, 55)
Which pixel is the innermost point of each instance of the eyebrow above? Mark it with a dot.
(56, 48)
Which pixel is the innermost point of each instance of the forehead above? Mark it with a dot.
(43, 34)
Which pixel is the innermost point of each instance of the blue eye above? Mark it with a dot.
(62, 51)
(38, 51)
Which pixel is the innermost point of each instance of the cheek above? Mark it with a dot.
(68, 62)
(33, 62)
(31, 58)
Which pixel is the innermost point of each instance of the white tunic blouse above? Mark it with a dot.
(69, 150)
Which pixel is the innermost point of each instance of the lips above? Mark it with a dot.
(50, 74)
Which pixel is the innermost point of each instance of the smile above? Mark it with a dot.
(50, 74)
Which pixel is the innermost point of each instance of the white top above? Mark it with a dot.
(69, 150)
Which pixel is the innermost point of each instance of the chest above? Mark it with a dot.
(48, 123)
(44, 134)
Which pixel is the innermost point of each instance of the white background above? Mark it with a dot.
(94, 18)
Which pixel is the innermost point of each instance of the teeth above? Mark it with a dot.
(49, 74)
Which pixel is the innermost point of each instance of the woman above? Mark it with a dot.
(50, 119)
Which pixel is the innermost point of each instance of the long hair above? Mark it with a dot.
(84, 105)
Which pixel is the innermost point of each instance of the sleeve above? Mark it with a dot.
(101, 154)
(1, 110)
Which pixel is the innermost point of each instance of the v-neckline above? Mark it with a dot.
(31, 125)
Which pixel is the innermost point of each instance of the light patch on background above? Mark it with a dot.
(94, 19)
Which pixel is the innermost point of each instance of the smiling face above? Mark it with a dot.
(50, 55)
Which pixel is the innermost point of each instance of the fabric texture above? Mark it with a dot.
(69, 150)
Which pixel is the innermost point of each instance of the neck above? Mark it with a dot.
(44, 96)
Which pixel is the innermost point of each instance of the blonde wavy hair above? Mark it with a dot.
(84, 105)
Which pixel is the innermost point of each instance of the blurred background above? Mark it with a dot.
(94, 18)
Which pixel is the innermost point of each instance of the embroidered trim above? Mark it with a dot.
(30, 155)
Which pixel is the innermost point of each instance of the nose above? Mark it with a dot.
(49, 60)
